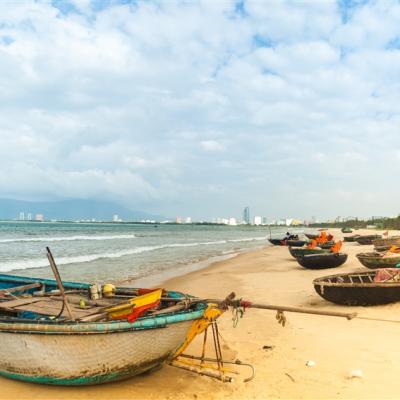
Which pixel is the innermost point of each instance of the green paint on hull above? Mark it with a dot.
(111, 376)
(372, 262)
(299, 252)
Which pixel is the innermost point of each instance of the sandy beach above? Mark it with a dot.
(279, 354)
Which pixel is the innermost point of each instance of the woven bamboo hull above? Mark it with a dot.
(322, 261)
(277, 242)
(87, 359)
(393, 241)
(367, 239)
(351, 238)
(296, 243)
(327, 245)
(374, 261)
(362, 291)
(297, 252)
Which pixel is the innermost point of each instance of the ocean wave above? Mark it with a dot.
(42, 262)
(67, 238)
(252, 239)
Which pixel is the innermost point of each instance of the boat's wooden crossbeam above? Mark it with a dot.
(4, 292)
(45, 306)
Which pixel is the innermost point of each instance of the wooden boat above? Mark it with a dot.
(347, 230)
(39, 343)
(277, 242)
(327, 245)
(295, 243)
(351, 238)
(374, 260)
(367, 239)
(322, 261)
(357, 289)
(386, 243)
(311, 235)
(301, 251)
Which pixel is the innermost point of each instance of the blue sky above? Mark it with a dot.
(201, 108)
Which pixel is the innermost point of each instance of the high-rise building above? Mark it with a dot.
(21, 216)
(257, 220)
(39, 217)
(246, 215)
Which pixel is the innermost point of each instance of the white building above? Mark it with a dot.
(232, 221)
(188, 220)
(39, 217)
(257, 220)
(115, 218)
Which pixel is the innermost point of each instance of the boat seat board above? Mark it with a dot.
(9, 304)
(20, 288)
(53, 308)
(46, 306)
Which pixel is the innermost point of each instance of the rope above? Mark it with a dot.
(280, 317)
(237, 312)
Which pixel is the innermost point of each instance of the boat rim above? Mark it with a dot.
(322, 281)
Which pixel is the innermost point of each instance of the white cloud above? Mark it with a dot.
(211, 145)
(142, 100)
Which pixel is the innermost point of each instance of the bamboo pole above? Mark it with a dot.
(230, 302)
(303, 310)
(59, 283)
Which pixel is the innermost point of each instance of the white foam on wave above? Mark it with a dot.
(68, 238)
(40, 263)
(252, 239)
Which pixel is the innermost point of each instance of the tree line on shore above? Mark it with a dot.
(381, 223)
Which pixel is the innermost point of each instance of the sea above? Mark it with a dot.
(122, 252)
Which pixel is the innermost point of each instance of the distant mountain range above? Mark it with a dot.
(72, 210)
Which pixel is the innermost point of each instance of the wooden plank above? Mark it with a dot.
(53, 308)
(20, 302)
(20, 288)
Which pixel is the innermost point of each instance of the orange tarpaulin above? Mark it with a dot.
(336, 247)
(394, 249)
(312, 245)
(321, 238)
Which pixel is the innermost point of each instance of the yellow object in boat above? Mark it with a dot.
(108, 290)
(144, 302)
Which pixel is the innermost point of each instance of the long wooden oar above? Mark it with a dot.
(59, 283)
(298, 310)
(230, 301)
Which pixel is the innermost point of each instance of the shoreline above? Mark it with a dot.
(164, 277)
(280, 355)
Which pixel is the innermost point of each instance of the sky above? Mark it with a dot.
(200, 108)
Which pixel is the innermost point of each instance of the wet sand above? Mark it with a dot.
(270, 275)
